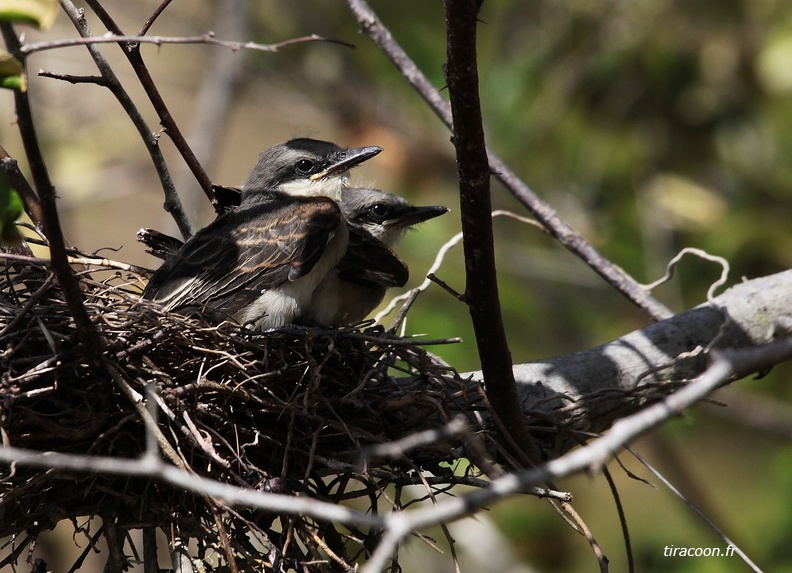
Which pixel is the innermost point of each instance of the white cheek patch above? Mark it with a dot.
(329, 187)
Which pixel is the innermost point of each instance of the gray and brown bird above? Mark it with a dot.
(261, 262)
(377, 221)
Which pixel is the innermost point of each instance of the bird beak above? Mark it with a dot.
(346, 160)
(416, 215)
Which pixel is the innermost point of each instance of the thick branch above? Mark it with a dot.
(481, 293)
(595, 387)
(726, 366)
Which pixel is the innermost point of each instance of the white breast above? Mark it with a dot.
(289, 302)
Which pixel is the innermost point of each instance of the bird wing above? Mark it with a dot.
(371, 263)
(229, 263)
(225, 198)
(159, 244)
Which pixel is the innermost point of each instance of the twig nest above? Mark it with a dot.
(289, 410)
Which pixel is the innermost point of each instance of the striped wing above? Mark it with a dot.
(228, 264)
(371, 263)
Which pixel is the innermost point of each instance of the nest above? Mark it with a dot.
(291, 411)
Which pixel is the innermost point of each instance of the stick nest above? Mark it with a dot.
(291, 411)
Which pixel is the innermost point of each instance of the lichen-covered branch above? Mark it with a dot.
(587, 391)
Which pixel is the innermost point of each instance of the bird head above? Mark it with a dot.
(384, 215)
(306, 167)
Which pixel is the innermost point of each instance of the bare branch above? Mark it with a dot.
(206, 39)
(726, 539)
(173, 204)
(409, 297)
(559, 228)
(153, 18)
(72, 79)
(592, 387)
(223, 79)
(131, 45)
(153, 468)
(49, 216)
(132, 53)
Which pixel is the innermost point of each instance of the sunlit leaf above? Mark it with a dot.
(38, 13)
(10, 211)
(12, 73)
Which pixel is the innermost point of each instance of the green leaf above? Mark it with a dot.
(10, 210)
(12, 72)
(38, 13)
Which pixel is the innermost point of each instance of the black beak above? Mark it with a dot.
(415, 215)
(346, 160)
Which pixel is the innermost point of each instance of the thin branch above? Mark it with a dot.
(86, 330)
(132, 53)
(172, 204)
(628, 550)
(697, 511)
(557, 227)
(223, 78)
(206, 39)
(585, 531)
(153, 467)
(153, 18)
(410, 296)
(73, 79)
(131, 49)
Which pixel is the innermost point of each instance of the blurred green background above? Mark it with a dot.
(649, 125)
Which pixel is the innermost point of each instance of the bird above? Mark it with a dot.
(376, 221)
(260, 263)
(305, 167)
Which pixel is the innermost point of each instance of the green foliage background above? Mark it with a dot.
(650, 125)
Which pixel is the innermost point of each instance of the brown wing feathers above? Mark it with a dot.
(226, 265)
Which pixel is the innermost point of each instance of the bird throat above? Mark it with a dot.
(331, 187)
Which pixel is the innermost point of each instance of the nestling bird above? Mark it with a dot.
(376, 222)
(261, 262)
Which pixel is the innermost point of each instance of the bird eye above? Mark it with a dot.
(305, 166)
(380, 210)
